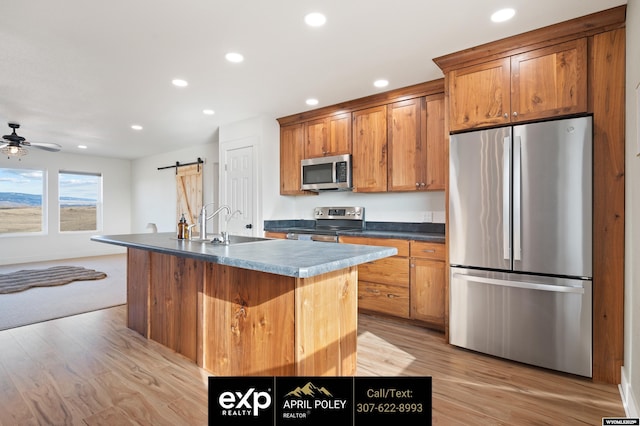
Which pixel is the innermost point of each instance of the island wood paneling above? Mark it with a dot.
(175, 283)
(326, 311)
(607, 101)
(248, 322)
(138, 291)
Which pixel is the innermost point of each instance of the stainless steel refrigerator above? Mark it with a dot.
(520, 243)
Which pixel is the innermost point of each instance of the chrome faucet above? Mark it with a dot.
(203, 218)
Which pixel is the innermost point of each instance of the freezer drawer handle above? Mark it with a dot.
(525, 285)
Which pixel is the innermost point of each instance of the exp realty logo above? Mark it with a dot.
(314, 401)
(239, 401)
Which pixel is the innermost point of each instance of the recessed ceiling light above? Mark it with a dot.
(179, 82)
(503, 15)
(82, 146)
(234, 57)
(315, 19)
(312, 101)
(381, 83)
(208, 112)
(136, 127)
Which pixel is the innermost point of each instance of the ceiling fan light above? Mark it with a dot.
(14, 151)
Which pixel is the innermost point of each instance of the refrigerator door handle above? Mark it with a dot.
(517, 191)
(506, 194)
(519, 284)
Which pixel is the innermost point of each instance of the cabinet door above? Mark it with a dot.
(427, 291)
(316, 138)
(339, 134)
(435, 140)
(291, 152)
(328, 136)
(550, 81)
(405, 145)
(369, 169)
(480, 95)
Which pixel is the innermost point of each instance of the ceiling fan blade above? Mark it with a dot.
(52, 147)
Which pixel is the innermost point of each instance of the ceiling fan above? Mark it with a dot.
(16, 146)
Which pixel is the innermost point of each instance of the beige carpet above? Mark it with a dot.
(56, 275)
(46, 303)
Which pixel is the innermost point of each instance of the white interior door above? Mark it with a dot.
(238, 171)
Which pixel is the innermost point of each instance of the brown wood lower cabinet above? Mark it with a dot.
(410, 285)
(428, 278)
(281, 235)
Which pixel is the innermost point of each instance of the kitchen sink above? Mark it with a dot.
(233, 239)
(237, 239)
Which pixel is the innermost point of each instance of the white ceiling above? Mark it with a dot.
(82, 72)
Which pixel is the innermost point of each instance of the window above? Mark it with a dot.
(80, 201)
(21, 201)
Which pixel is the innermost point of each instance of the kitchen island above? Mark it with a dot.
(265, 307)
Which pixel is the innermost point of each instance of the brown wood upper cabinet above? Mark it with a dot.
(537, 84)
(291, 152)
(328, 136)
(369, 170)
(416, 143)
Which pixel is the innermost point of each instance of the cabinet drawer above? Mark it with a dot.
(390, 270)
(428, 250)
(401, 245)
(271, 234)
(388, 299)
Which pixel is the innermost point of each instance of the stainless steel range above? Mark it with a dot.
(329, 222)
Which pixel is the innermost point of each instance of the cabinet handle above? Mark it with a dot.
(417, 184)
(515, 113)
(506, 115)
(429, 251)
(422, 184)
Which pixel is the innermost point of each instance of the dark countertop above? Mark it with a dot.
(433, 232)
(300, 259)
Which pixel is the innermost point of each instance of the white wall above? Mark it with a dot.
(264, 133)
(631, 369)
(384, 207)
(153, 193)
(116, 178)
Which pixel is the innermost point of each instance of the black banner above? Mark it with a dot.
(315, 401)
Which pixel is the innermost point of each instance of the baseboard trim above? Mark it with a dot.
(626, 393)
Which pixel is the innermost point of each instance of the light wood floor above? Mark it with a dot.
(91, 369)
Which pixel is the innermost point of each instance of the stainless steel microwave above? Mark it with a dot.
(326, 173)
